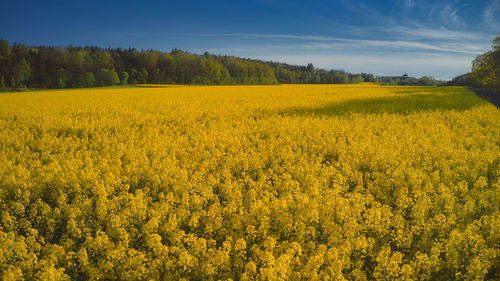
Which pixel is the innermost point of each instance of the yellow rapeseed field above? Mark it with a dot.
(287, 182)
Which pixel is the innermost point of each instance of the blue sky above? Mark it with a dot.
(383, 37)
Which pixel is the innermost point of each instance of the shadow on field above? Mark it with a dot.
(405, 103)
(157, 86)
(489, 95)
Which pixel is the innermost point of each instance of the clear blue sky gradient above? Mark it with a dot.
(383, 37)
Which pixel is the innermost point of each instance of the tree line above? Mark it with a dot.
(74, 67)
(486, 67)
(23, 66)
(485, 70)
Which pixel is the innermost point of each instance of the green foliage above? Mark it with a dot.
(124, 78)
(463, 80)
(88, 79)
(486, 67)
(62, 78)
(43, 67)
(358, 79)
(427, 81)
(341, 78)
(115, 80)
(105, 77)
(22, 72)
(5, 49)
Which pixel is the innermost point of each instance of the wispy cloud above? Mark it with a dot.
(409, 3)
(438, 52)
(450, 12)
(491, 15)
(422, 32)
(284, 36)
(385, 46)
(325, 42)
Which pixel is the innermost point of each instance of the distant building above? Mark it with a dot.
(405, 79)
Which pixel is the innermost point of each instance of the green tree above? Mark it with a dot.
(187, 65)
(210, 70)
(62, 78)
(310, 68)
(105, 77)
(486, 67)
(115, 78)
(5, 49)
(101, 59)
(224, 76)
(88, 79)
(462, 80)
(124, 78)
(341, 78)
(22, 72)
(134, 74)
(166, 64)
(357, 79)
(75, 67)
(144, 74)
(150, 60)
(2, 83)
(427, 81)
